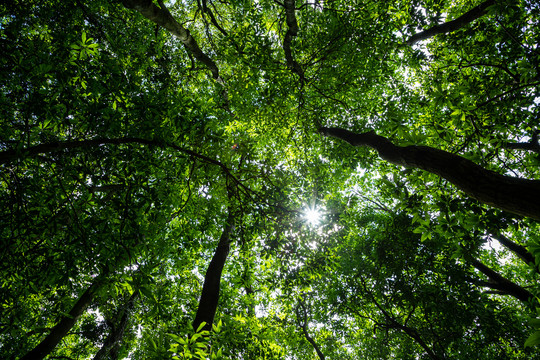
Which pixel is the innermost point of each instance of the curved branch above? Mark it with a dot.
(393, 323)
(213, 19)
(520, 250)
(117, 333)
(303, 325)
(16, 154)
(497, 97)
(162, 17)
(516, 195)
(453, 25)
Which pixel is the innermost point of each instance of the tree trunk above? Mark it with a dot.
(516, 195)
(60, 330)
(453, 25)
(210, 292)
(117, 333)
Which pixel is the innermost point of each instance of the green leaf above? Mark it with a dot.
(177, 338)
(201, 326)
(533, 340)
(535, 323)
(217, 327)
(146, 292)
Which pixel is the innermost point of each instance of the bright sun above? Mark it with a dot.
(312, 216)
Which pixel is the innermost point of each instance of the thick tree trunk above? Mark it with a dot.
(212, 280)
(60, 330)
(453, 25)
(518, 196)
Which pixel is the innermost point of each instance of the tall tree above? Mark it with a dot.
(178, 149)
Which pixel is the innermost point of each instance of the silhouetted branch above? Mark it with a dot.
(303, 324)
(212, 280)
(532, 145)
(392, 323)
(453, 25)
(516, 195)
(520, 250)
(117, 333)
(502, 284)
(33, 151)
(61, 329)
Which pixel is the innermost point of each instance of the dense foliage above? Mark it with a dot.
(166, 190)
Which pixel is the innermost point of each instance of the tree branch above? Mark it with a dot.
(33, 151)
(497, 97)
(516, 195)
(304, 325)
(162, 16)
(532, 145)
(453, 25)
(393, 323)
(292, 31)
(213, 19)
(60, 330)
(210, 293)
(117, 333)
(502, 284)
(520, 250)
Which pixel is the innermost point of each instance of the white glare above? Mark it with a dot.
(312, 216)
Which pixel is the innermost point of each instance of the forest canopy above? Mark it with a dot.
(269, 179)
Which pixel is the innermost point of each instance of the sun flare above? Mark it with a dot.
(312, 216)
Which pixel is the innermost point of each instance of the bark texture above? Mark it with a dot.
(60, 330)
(212, 279)
(515, 195)
(453, 25)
